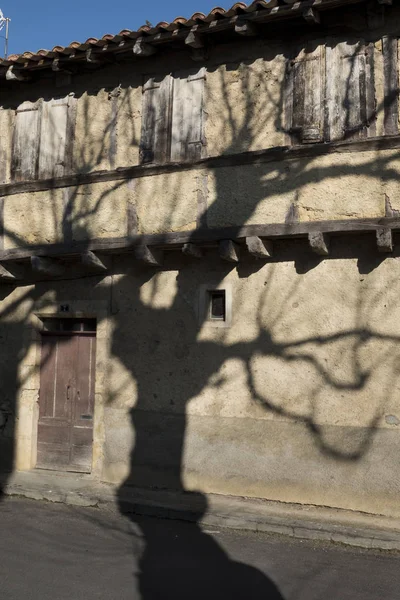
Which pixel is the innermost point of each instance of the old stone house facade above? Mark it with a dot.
(198, 261)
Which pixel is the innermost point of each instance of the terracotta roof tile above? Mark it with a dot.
(198, 18)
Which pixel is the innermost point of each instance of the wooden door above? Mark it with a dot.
(66, 401)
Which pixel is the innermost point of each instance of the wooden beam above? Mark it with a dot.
(1, 223)
(12, 75)
(246, 28)
(312, 16)
(192, 250)
(6, 275)
(384, 239)
(149, 256)
(229, 251)
(391, 84)
(58, 67)
(259, 248)
(92, 262)
(194, 39)
(91, 57)
(143, 48)
(319, 243)
(47, 266)
(254, 157)
(270, 231)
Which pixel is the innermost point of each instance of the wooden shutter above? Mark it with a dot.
(53, 138)
(187, 133)
(391, 83)
(26, 142)
(156, 109)
(304, 96)
(350, 91)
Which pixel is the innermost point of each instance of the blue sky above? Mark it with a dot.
(46, 23)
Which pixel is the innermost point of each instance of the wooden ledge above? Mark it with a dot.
(270, 232)
(276, 154)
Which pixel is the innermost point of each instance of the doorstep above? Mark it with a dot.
(253, 514)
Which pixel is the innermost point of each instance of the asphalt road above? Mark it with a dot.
(56, 552)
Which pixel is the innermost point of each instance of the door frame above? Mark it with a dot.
(28, 393)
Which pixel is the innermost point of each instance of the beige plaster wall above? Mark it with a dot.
(19, 382)
(243, 101)
(167, 202)
(128, 124)
(107, 128)
(339, 186)
(297, 401)
(92, 132)
(75, 213)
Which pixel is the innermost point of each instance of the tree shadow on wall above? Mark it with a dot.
(176, 562)
(172, 365)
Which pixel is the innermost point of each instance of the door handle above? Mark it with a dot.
(68, 388)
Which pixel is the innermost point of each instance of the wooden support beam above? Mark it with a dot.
(92, 262)
(319, 243)
(253, 157)
(6, 275)
(384, 239)
(194, 39)
(58, 67)
(142, 48)
(229, 251)
(91, 58)
(271, 231)
(192, 250)
(259, 248)
(12, 75)
(47, 266)
(246, 28)
(149, 256)
(312, 16)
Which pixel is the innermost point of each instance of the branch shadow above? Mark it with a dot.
(171, 363)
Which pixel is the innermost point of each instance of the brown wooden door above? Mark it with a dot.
(66, 401)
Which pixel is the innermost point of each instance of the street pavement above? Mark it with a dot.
(57, 552)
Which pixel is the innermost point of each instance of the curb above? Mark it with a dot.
(252, 514)
(314, 527)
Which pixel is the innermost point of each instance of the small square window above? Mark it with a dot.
(217, 305)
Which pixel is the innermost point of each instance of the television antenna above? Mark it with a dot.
(4, 22)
